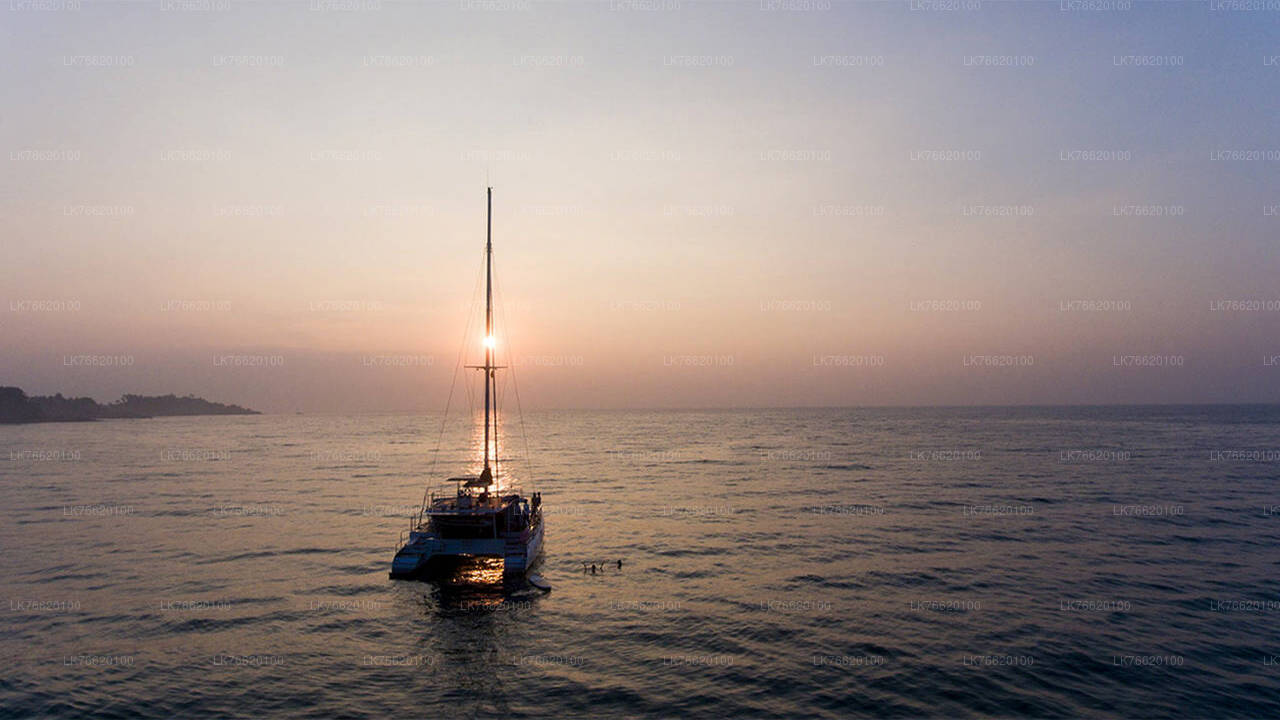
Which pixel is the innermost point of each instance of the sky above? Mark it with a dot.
(696, 204)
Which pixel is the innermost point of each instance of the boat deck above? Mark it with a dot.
(470, 505)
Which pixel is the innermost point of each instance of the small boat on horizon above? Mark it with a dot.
(483, 515)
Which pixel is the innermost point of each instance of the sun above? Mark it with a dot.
(489, 342)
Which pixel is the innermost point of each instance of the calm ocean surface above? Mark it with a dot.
(1028, 562)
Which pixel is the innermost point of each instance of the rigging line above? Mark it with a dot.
(472, 321)
(500, 390)
(496, 415)
(503, 389)
(500, 301)
(528, 459)
(435, 456)
(524, 435)
(491, 378)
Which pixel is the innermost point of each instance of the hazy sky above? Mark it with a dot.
(804, 202)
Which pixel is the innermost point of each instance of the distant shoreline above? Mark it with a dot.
(16, 407)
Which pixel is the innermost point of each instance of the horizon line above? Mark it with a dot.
(723, 408)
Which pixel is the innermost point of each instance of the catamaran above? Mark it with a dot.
(484, 515)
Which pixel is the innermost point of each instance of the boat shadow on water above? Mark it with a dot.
(472, 584)
(468, 632)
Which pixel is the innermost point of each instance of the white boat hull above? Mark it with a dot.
(518, 553)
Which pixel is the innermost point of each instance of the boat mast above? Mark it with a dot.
(490, 378)
(488, 322)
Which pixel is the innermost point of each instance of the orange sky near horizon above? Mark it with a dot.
(716, 207)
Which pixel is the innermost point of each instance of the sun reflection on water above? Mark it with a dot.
(471, 583)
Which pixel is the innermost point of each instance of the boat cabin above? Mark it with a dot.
(474, 513)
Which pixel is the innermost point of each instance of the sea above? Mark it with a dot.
(782, 563)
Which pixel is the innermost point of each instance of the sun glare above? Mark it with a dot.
(489, 342)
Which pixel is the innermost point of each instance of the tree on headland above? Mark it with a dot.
(15, 406)
(131, 405)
